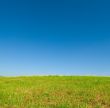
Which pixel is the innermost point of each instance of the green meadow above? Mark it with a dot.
(55, 92)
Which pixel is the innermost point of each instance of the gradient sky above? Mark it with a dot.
(66, 37)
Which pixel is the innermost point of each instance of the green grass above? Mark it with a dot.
(55, 92)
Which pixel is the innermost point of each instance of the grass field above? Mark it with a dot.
(55, 92)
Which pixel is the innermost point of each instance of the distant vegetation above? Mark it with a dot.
(55, 92)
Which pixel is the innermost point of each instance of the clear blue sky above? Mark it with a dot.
(70, 37)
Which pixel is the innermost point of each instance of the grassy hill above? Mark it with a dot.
(55, 92)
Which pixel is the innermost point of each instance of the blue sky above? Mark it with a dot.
(66, 37)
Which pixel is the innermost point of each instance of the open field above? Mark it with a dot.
(55, 92)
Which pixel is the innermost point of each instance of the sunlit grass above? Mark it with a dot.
(55, 92)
